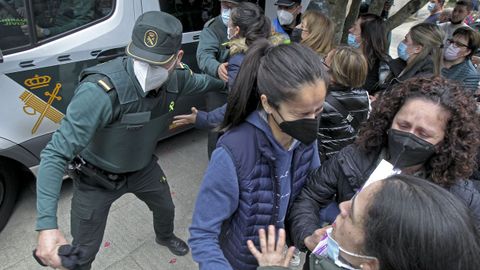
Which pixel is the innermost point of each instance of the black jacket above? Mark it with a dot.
(335, 132)
(422, 68)
(338, 179)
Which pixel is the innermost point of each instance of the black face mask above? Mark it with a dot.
(407, 150)
(296, 35)
(305, 130)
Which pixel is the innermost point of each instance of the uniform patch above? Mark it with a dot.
(150, 39)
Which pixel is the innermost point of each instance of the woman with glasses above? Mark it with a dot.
(425, 126)
(399, 223)
(457, 57)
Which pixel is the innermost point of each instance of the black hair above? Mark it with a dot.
(251, 22)
(374, 38)
(416, 225)
(466, 3)
(276, 71)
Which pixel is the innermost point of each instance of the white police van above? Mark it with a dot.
(44, 44)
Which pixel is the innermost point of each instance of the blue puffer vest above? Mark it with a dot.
(253, 157)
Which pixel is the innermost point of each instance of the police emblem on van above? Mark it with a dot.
(150, 39)
(34, 105)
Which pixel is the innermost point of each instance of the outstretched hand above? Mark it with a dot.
(271, 254)
(186, 119)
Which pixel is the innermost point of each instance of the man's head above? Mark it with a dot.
(461, 10)
(288, 10)
(226, 9)
(156, 38)
(435, 6)
(229, 4)
(155, 48)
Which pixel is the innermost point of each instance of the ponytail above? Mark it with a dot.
(278, 72)
(244, 98)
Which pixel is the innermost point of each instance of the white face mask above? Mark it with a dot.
(333, 252)
(148, 76)
(451, 53)
(284, 17)
(226, 15)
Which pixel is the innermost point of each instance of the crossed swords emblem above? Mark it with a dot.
(34, 105)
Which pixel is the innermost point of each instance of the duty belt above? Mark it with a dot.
(78, 161)
(95, 175)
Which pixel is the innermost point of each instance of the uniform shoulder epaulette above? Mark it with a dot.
(105, 83)
(184, 66)
(209, 22)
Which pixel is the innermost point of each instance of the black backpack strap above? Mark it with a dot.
(343, 111)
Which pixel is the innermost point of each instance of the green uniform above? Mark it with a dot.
(210, 51)
(94, 114)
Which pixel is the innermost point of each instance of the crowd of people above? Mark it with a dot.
(417, 112)
(360, 160)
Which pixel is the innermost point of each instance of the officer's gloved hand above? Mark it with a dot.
(70, 256)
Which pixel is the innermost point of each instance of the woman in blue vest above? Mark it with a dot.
(262, 160)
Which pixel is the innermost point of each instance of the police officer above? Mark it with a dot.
(109, 134)
(288, 16)
(212, 56)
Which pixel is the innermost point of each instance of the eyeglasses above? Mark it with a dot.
(456, 43)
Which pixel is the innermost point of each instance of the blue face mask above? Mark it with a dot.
(352, 41)
(402, 51)
(333, 252)
(226, 16)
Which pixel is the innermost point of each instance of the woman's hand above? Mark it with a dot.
(186, 119)
(271, 254)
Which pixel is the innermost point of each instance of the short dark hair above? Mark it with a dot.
(466, 3)
(276, 71)
(414, 224)
(472, 36)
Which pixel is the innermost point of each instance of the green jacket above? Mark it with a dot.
(90, 110)
(211, 50)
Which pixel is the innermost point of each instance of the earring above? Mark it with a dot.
(361, 266)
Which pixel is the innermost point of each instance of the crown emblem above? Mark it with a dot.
(150, 39)
(37, 81)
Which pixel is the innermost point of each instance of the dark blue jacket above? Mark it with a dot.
(242, 192)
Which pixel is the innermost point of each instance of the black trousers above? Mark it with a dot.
(91, 204)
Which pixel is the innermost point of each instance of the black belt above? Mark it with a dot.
(79, 161)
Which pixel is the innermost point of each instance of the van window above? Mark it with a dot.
(192, 13)
(53, 17)
(12, 21)
(50, 18)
